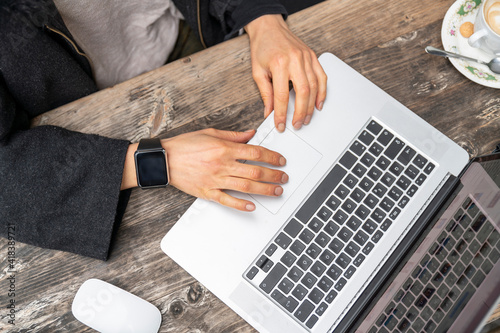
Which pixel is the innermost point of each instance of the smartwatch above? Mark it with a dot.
(151, 164)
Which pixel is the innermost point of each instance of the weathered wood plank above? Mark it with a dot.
(214, 88)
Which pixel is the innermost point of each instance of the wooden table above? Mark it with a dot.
(384, 40)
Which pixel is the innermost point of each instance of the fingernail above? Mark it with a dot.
(298, 125)
(248, 131)
(278, 190)
(282, 161)
(250, 207)
(284, 178)
(320, 107)
(281, 127)
(307, 120)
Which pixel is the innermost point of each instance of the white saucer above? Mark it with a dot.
(465, 11)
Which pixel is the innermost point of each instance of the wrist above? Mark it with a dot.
(264, 23)
(129, 177)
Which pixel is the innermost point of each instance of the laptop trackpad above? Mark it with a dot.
(301, 159)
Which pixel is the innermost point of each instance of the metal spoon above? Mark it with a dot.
(493, 65)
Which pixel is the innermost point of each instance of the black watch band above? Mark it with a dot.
(151, 164)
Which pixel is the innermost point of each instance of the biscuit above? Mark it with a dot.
(467, 29)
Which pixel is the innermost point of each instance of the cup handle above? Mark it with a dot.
(476, 37)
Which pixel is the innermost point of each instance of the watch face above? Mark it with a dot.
(151, 169)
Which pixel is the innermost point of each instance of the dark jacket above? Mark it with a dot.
(60, 189)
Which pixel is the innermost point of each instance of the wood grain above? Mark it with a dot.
(214, 88)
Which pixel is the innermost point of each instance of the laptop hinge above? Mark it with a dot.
(383, 278)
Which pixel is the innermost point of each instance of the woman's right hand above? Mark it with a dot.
(206, 162)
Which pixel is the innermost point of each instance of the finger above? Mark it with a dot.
(238, 137)
(252, 187)
(313, 86)
(230, 201)
(281, 94)
(259, 154)
(302, 93)
(322, 80)
(265, 86)
(259, 173)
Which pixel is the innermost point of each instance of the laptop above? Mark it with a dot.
(354, 244)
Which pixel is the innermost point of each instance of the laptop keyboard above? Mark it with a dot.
(448, 275)
(321, 248)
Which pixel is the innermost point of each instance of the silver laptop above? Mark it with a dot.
(365, 176)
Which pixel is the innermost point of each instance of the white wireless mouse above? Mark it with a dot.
(109, 309)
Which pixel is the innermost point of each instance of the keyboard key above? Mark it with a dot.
(340, 284)
(403, 182)
(419, 161)
(287, 302)
(359, 260)
(324, 213)
(334, 272)
(368, 248)
(315, 224)
(388, 179)
(295, 274)
(271, 249)
(327, 257)
(354, 223)
(316, 295)
(336, 245)
(343, 260)
(412, 190)
(374, 173)
(369, 227)
(285, 286)
(309, 280)
(371, 201)
(313, 251)
(322, 239)
(304, 311)
(304, 262)
(262, 261)
(376, 149)
(366, 184)
(325, 284)
(395, 193)
(331, 228)
(272, 279)
(387, 204)
(412, 172)
(378, 215)
(420, 179)
(366, 138)
(357, 195)
(428, 169)
(349, 272)
(283, 240)
(348, 160)
(252, 272)
(374, 127)
(306, 236)
(406, 155)
(357, 148)
(394, 148)
(345, 234)
(383, 162)
(403, 202)
(379, 190)
(396, 168)
(342, 192)
(297, 247)
(349, 206)
(361, 238)
(385, 137)
(367, 159)
(321, 309)
(288, 259)
(359, 170)
(312, 321)
(362, 212)
(293, 228)
(340, 216)
(299, 292)
(321, 193)
(376, 237)
(395, 213)
(352, 249)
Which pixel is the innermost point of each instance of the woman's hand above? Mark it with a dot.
(204, 163)
(278, 56)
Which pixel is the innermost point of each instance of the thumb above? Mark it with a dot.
(233, 136)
